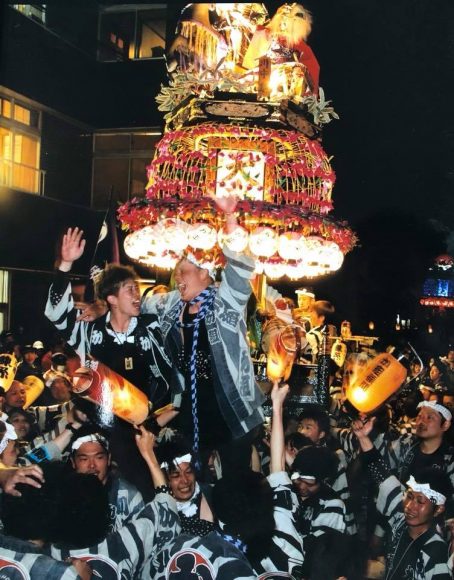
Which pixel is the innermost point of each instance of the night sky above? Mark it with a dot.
(388, 68)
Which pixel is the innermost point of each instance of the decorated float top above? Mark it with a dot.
(438, 289)
(244, 114)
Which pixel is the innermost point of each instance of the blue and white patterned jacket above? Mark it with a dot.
(239, 396)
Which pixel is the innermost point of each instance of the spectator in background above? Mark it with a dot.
(23, 423)
(15, 397)
(29, 365)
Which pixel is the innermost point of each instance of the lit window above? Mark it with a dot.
(19, 161)
(132, 34)
(22, 114)
(32, 11)
(5, 108)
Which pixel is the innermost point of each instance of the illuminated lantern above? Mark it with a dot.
(353, 367)
(8, 367)
(34, 386)
(164, 261)
(339, 352)
(313, 251)
(377, 382)
(202, 236)
(138, 244)
(291, 246)
(274, 270)
(283, 350)
(263, 242)
(172, 233)
(112, 392)
(236, 241)
(294, 271)
(332, 256)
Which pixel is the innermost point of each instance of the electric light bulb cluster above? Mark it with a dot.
(288, 254)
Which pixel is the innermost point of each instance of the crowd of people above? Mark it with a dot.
(208, 486)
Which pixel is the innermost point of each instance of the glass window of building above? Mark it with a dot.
(34, 11)
(20, 142)
(5, 108)
(133, 31)
(120, 162)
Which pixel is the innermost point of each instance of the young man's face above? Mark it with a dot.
(448, 401)
(306, 488)
(60, 390)
(92, 458)
(429, 424)
(434, 373)
(16, 395)
(182, 482)
(316, 319)
(190, 280)
(127, 300)
(30, 357)
(21, 425)
(418, 509)
(311, 429)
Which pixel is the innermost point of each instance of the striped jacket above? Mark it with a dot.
(125, 501)
(133, 549)
(209, 557)
(399, 455)
(239, 396)
(321, 524)
(92, 338)
(20, 560)
(340, 486)
(286, 553)
(430, 562)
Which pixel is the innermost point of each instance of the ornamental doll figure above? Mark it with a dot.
(283, 40)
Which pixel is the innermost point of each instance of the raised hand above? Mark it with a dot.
(362, 428)
(72, 248)
(90, 312)
(145, 442)
(9, 478)
(278, 394)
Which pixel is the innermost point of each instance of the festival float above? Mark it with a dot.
(244, 116)
(438, 288)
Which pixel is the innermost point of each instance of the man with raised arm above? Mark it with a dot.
(126, 341)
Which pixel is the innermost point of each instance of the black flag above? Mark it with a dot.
(107, 250)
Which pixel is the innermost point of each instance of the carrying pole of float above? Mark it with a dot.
(323, 364)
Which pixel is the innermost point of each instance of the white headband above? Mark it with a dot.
(209, 266)
(425, 489)
(177, 461)
(9, 435)
(444, 412)
(95, 438)
(297, 475)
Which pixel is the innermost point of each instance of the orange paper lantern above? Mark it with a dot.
(109, 390)
(377, 382)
